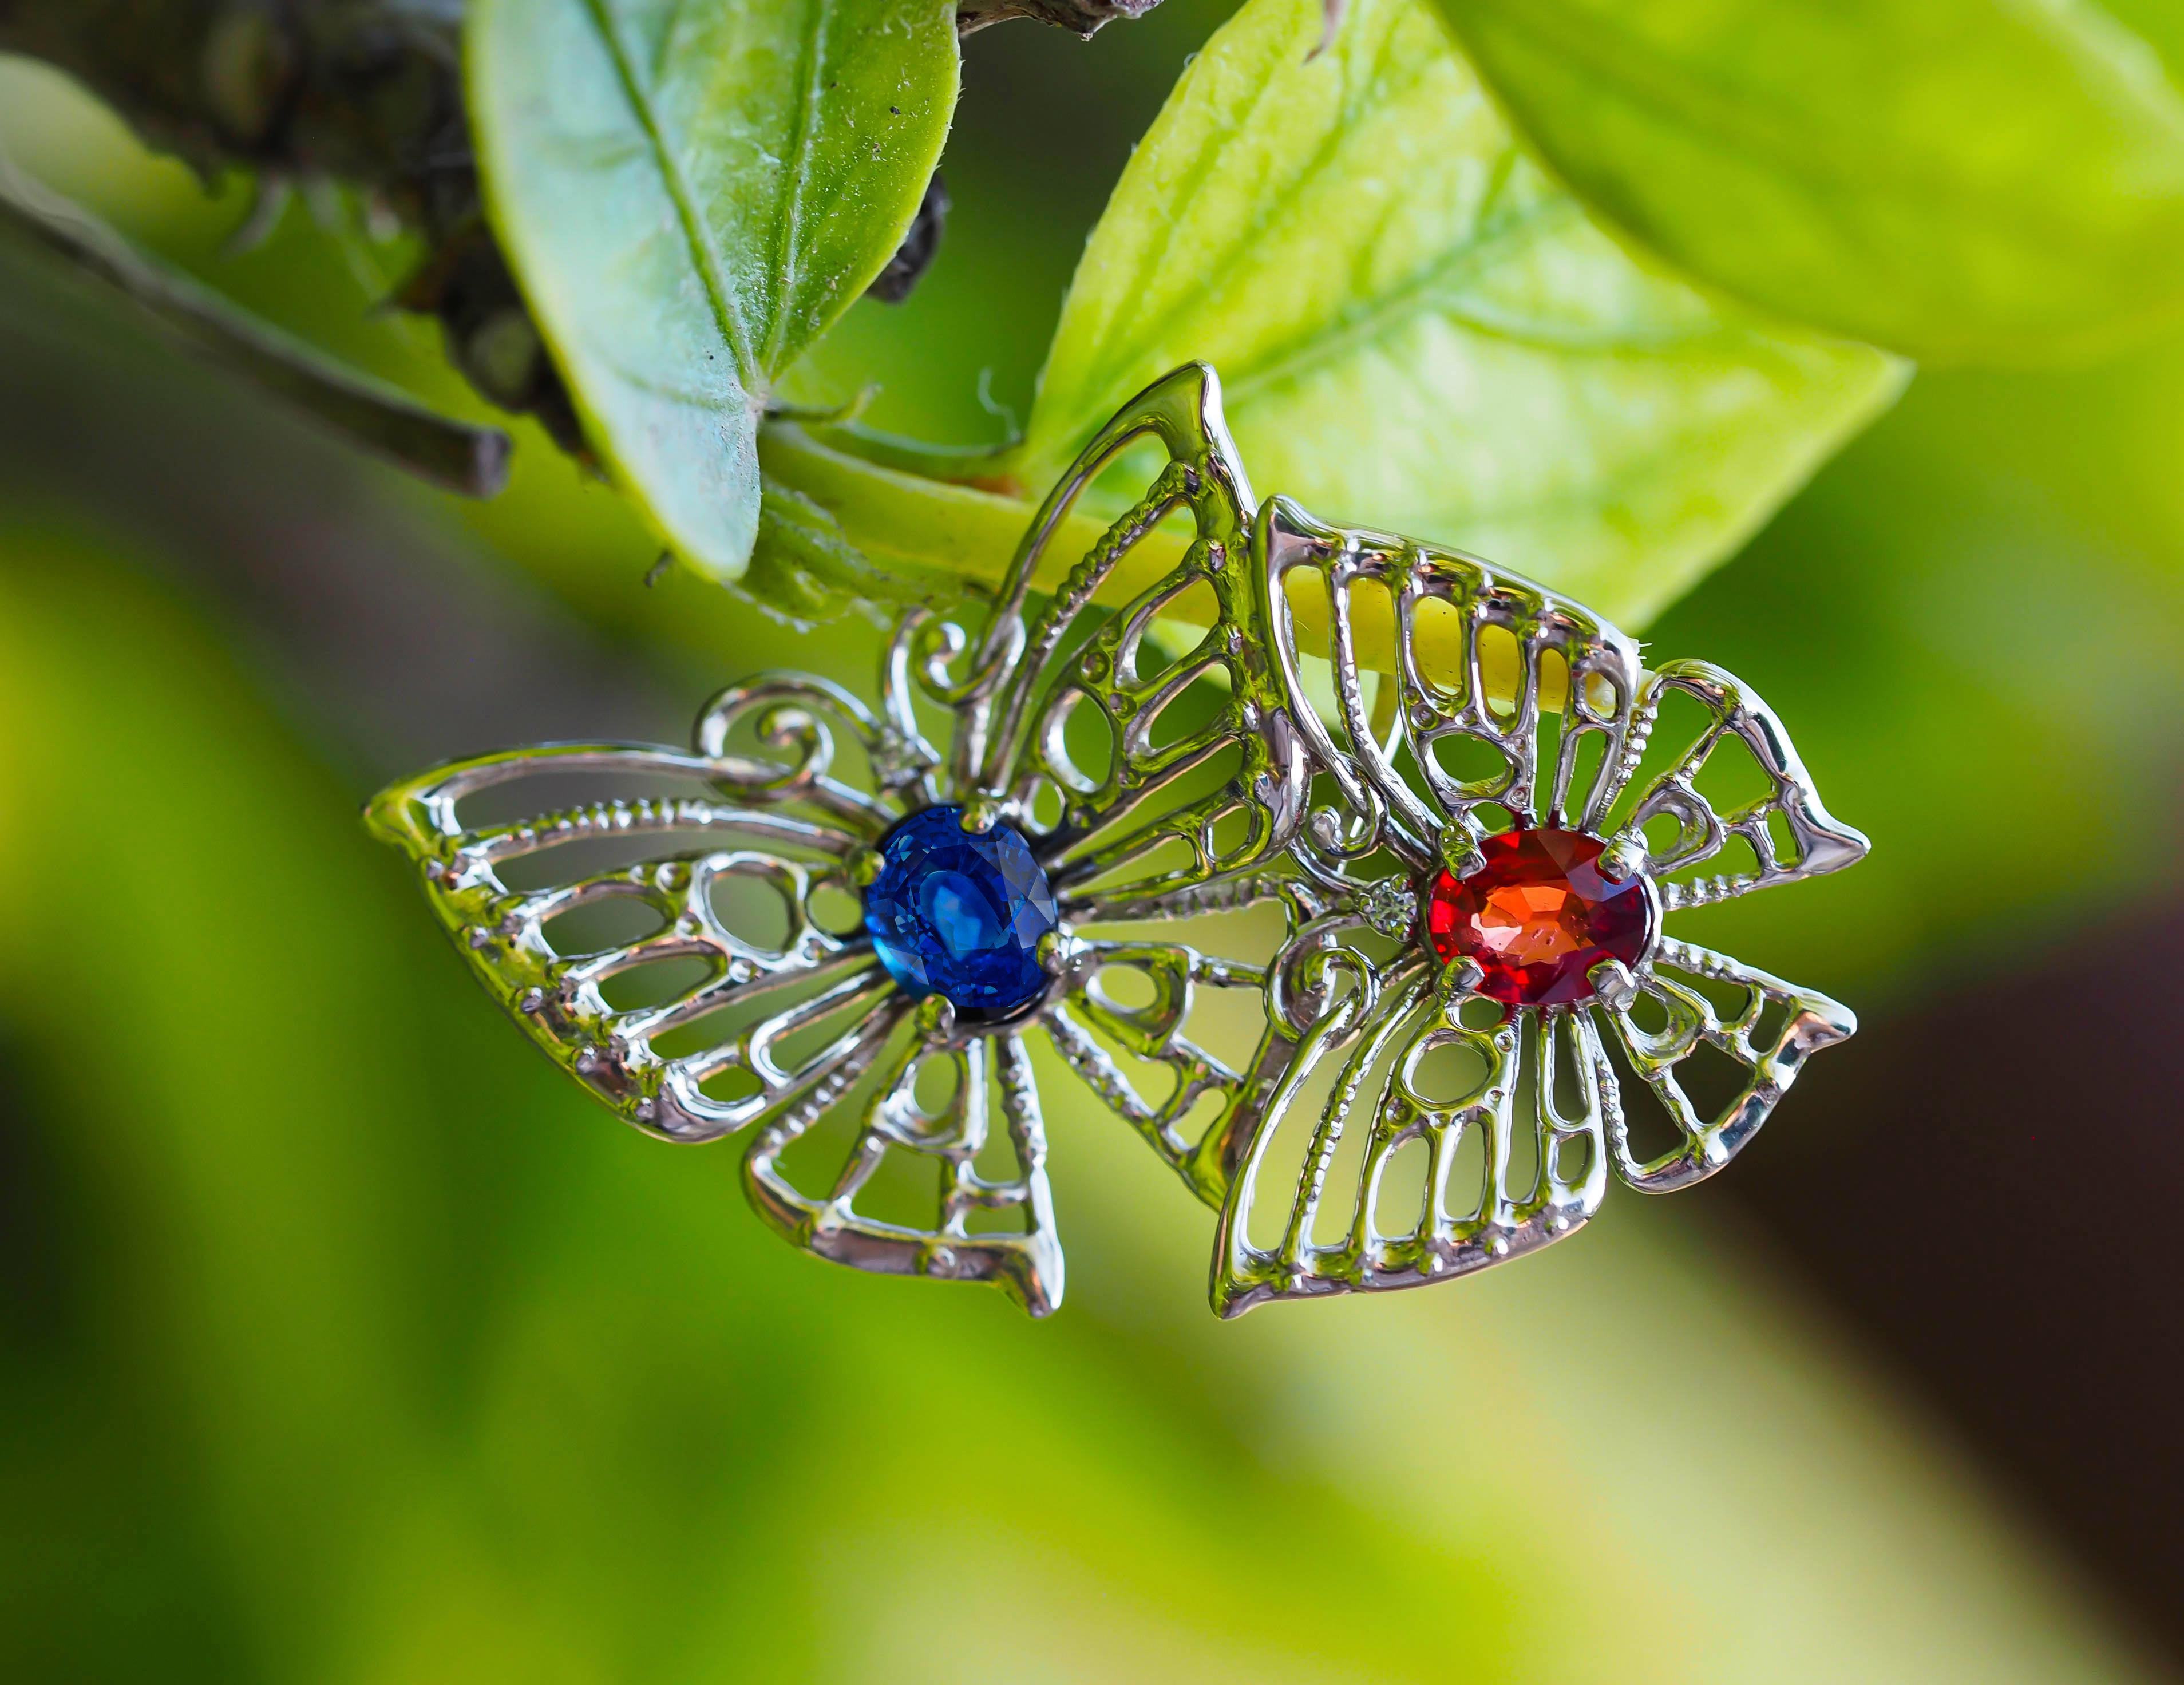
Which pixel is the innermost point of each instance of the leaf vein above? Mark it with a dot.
(1394, 308)
(811, 67)
(711, 266)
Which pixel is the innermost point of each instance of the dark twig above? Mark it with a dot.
(466, 459)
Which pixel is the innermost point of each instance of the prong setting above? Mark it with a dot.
(1459, 981)
(1459, 851)
(1623, 859)
(1612, 982)
(936, 1019)
(1066, 956)
(981, 813)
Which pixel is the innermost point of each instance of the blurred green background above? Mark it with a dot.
(341, 1339)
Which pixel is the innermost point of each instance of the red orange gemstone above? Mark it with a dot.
(1538, 916)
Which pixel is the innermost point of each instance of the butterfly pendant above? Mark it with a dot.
(1403, 804)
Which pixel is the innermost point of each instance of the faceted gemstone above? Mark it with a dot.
(1538, 916)
(958, 914)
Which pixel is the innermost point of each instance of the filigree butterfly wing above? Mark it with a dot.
(1148, 1059)
(1150, 752)
(1685, 999)
(995, 1179)
(1467, 663)
(782, 1031)
(1144, 770)
(1505, 1121)
(672, 841)
(1766, 1027)
(1398, 1175)
(1787, 830)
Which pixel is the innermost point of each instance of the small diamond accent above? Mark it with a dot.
(1391, 906)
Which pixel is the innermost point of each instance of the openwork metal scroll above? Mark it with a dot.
(1149, 785)
(1448, 1005)
(1404, 799)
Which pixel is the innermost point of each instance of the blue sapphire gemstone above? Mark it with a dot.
(958, 914)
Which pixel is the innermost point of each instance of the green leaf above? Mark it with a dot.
(909, 524)
(804, 569)
(690, 194)
(1416, 329)
(1961, 180)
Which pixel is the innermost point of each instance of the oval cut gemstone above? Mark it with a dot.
(958, 914)
(1538, 916)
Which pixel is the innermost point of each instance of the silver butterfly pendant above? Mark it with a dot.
(1405, 799)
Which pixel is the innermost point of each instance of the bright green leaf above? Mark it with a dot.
(1961, 180)
(1417, 330)
(690, 193)
(805, 568)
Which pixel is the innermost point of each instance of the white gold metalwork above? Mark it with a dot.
(1565, 729)
(1152, 788)
(1169, 815)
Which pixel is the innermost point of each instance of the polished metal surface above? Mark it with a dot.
(1562, 735)
(780, 1036)
(1154, 786)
